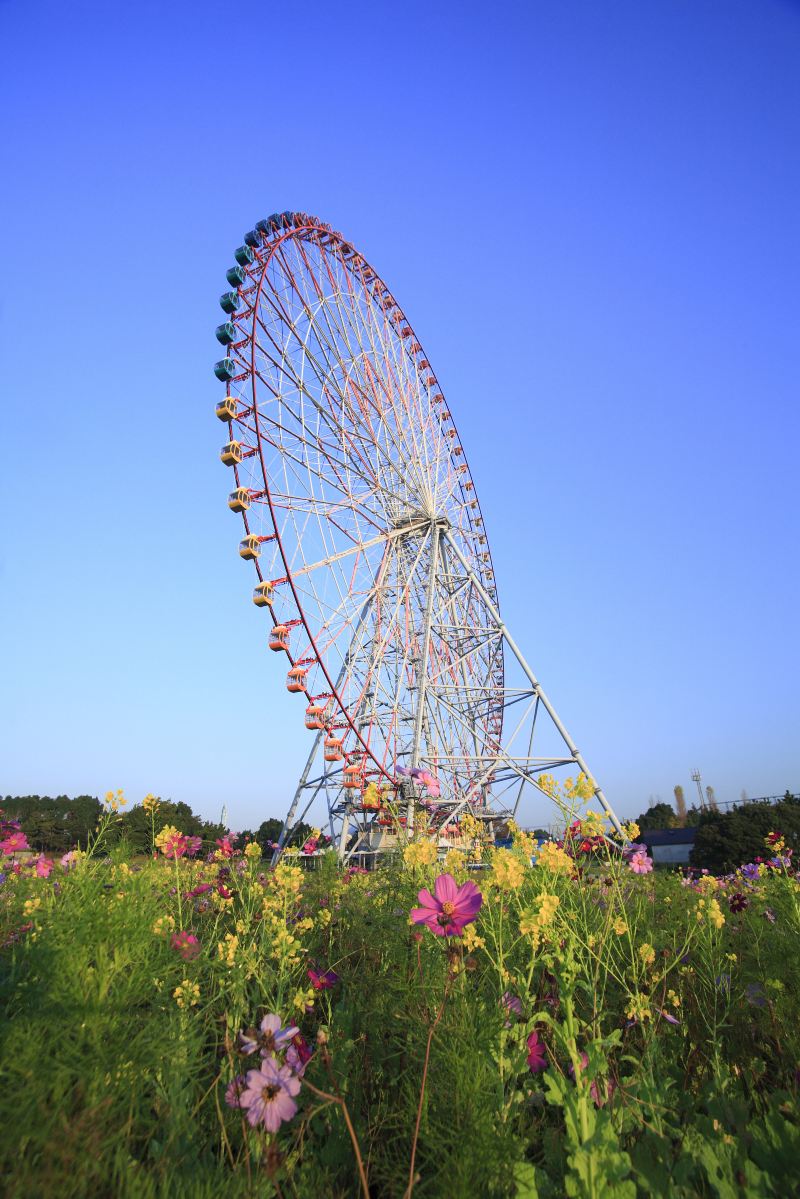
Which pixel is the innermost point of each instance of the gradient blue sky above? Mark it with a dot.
(591, 213)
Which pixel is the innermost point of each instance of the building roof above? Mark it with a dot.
(668, 836)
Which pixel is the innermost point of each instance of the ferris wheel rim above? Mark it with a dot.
(377, 292)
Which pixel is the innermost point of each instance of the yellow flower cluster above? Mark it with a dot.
(711, 910)
(533, 922)
(553, 857)
(454, 861)
(707, 883)
(639, 1008)
(164, 925)
(470, 939)
(631, 830)
(508, 870)
(167, 833)
(593, 824)
(323, 918)
(287, 880)
(226, 950)
(303, 999)
(420, 853)
(151, 803)
(31, 905)
(674, 998)
(114, 800)
(252, 850)
(647, 953)
(525, 842)
(776, 847)
(582, 787)
(620, 927)
(187, 994)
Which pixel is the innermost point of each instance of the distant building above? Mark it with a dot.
(669, 846)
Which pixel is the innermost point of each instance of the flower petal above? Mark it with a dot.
(445, 888)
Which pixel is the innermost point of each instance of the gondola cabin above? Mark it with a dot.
(279, 638)
(226, 409)
(351, 777)
(315, 717)
(262, 594)
(296, 679)
(231, 454)
(333, 749)
(239, 500)
(250, 548)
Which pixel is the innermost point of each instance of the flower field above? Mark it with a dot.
(192, 1023)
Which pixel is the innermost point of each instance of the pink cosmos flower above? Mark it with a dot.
(268, 1038)
(69, 860)
(44, 866)
(13, 843)
(234, 1089)
(450, 908)
(537, 1054)
(323, 980)
(225, 846)
(638, 860)
(186, 944)
(268, 1095)
(193, 846)
(298, 1055)
(200, 889)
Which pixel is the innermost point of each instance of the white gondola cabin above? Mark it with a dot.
(239, 500)
(296, 679)
(279, 638)
(262, 594)
(250, 547)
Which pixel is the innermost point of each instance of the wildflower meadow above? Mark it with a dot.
(485, 1021)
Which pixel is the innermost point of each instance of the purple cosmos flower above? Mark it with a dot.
(512, 1003)
(268, 1095)
(402, 771)
(750, 870)
(298, 1055)
(233, 1091)
(323, 980)
(537, 1054)
(738, 902)
(450, 908)
(670, 1019)
(594, 1090)
(754, 994)
(268, 1038)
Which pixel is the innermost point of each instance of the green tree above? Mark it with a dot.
(726, 841)
(660, 815)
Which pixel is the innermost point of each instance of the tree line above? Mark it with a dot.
(60, 823)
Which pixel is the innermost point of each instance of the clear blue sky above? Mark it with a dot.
(591, 213)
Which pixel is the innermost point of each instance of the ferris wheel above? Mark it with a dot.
(372, 560)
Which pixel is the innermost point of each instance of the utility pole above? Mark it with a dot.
(696, 779)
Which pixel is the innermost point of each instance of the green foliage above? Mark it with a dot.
(659, 816)
(109, 1086)
(726, 840)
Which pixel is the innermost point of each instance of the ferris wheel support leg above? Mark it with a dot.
(288, 822)
(422, 671)
(512, 645)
